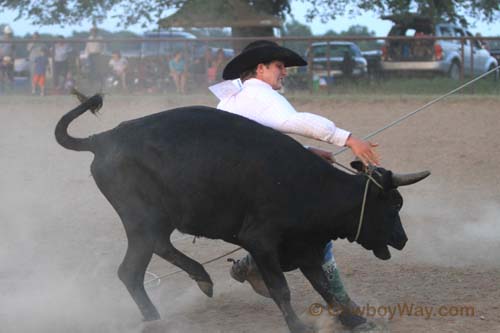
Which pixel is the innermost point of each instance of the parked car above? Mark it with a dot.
(428, 55)
(338, 52)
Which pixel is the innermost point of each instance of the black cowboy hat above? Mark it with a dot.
(258, 52)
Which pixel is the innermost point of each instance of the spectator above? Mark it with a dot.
(41, 67)
(34, 49)
(119, 67)
(93, 49)
(208, 60)
(61, 53)
(199, 68)
(482, 43)
(6, 75)
(197, 71)
(7, 58)
(212, 73)
(219, 63)
(69, 82)
(177, 66)
(347, 65)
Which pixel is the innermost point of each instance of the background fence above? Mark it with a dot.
(336, 65)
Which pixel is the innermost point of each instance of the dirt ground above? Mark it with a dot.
(61, 242)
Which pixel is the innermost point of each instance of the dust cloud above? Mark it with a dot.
(454, 235)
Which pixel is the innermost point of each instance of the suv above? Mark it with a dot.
(432, 55)
(338, 51)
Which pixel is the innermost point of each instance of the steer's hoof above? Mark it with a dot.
(206, 287)
(351, 320)
(151, 315)
(155, 326)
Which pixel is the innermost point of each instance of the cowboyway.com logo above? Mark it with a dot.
(404, 309)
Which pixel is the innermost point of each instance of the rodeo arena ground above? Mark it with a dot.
(63, 241)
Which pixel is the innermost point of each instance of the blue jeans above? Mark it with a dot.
(328, 254)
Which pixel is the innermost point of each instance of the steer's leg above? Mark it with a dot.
(167, 251)
(133, 195)
(132, 271)
(268, 263)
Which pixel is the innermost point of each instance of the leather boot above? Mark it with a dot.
(349, 317)
(245, 269)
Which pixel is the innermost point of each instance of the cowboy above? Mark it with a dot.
(261, 67)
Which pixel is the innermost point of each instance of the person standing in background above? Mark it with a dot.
(34, 50)
(219, 63)
(177, 66)
(61, 53)
(7, 59)
(93, 49)
(41, 67)
(119, 67)
(208, 59)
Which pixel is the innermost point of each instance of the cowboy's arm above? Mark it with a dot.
(322, 129)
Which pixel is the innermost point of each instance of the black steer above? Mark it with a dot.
(210, 173)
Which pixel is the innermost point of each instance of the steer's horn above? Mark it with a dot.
(408, 179)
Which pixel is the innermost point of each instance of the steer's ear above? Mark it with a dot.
(382, 253)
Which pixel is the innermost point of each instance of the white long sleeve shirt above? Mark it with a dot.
(258, 101)
(94, 45)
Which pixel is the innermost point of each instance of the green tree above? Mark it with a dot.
(297, 29)
(356, 31)
(129, 12)
(447, 10)
(71, 12)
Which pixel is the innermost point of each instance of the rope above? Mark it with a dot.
(180, 270)
(397, 121)
(362, 210)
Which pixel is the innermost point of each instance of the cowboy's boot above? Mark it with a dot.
(245, 269)
(349, 317)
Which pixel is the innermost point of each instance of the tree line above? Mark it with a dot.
(150, 12)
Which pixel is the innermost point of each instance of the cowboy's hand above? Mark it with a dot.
(325, 154)
(364, 150)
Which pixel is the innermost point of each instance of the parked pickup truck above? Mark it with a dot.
(420, 54)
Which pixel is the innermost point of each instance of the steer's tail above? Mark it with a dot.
(93, 104)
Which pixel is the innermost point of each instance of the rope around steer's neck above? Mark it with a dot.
(363, 204)
(365, 194)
